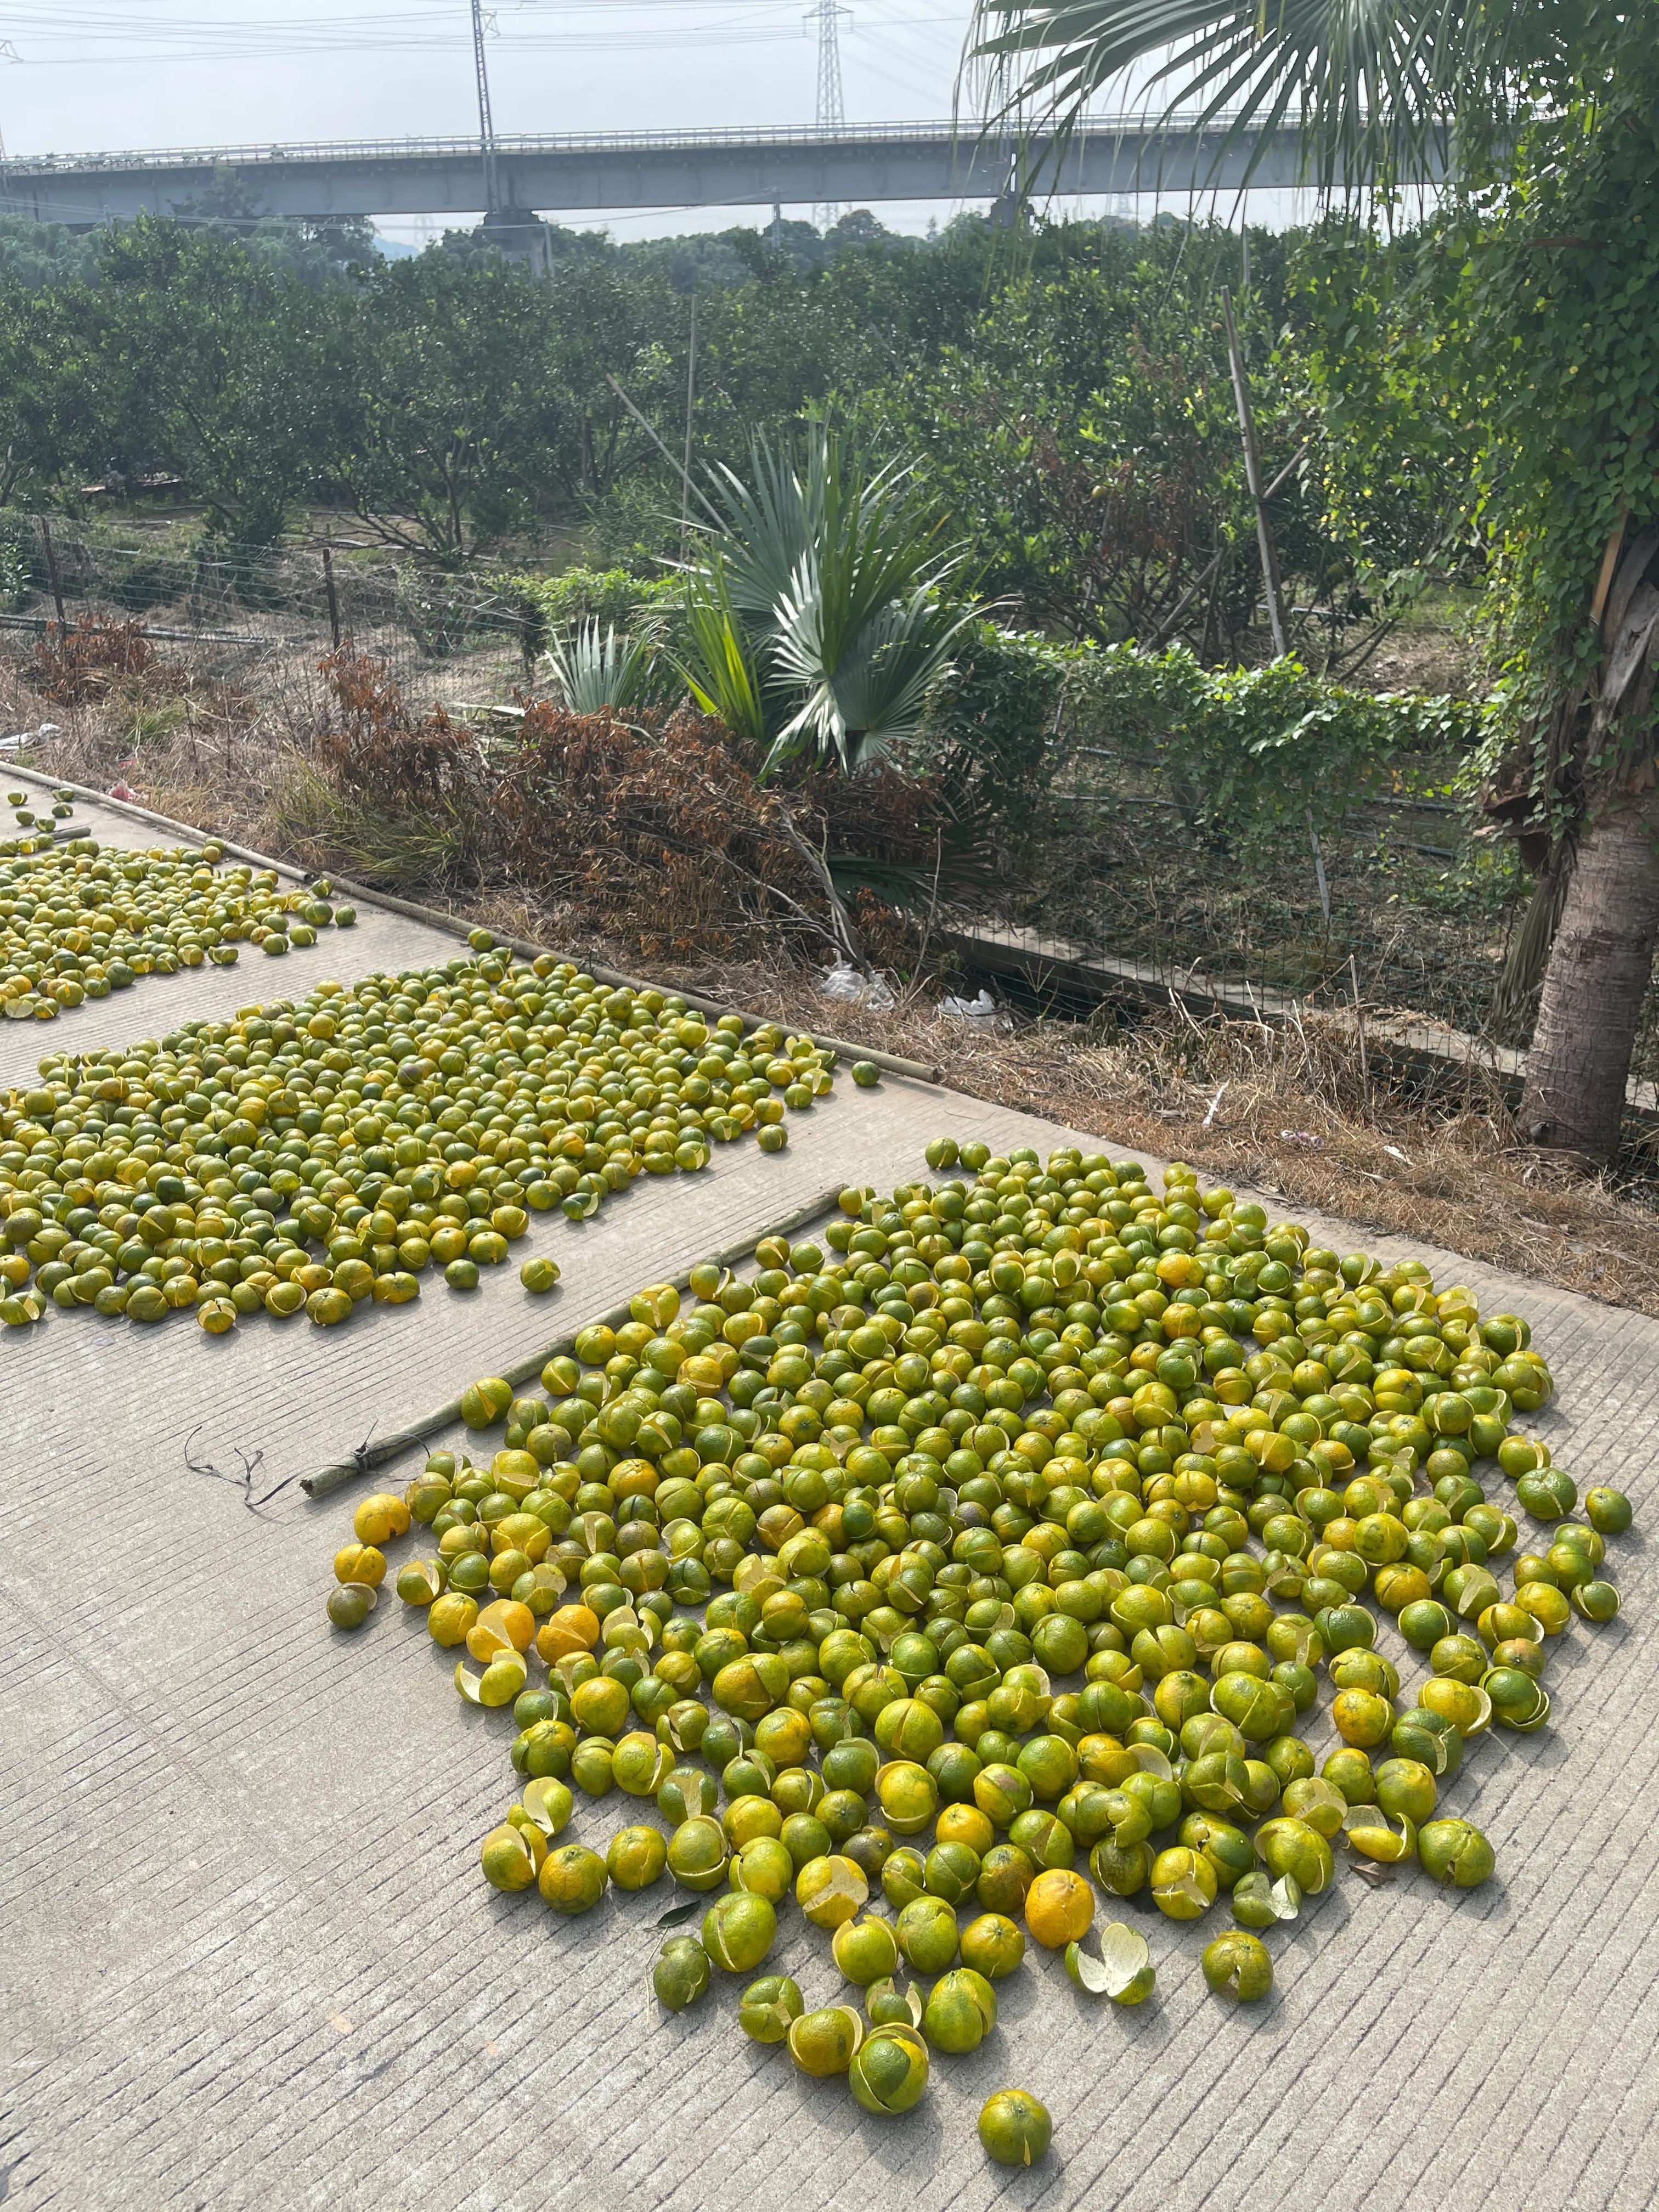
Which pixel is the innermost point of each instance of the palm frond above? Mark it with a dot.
(1378, 88)
(771, 521)
(796, 495)
(719, 667)
(823, 601)
(965, 875)
(862, 670)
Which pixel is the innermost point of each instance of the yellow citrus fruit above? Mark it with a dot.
(572, 1629)
(449, 1618)
(383, 1515)
(359, 1563)
(1060, 1907)
(509, 1857)
(503, 1624)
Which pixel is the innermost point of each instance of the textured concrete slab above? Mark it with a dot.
(251, 1958)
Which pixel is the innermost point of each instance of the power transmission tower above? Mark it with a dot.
(827, 15)
(486, 125)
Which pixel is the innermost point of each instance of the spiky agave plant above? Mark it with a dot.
(595, 671)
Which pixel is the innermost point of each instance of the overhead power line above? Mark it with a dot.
(60, 36)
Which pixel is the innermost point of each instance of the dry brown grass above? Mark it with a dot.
(206, 745)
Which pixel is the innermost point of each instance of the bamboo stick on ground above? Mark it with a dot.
(368, 1456)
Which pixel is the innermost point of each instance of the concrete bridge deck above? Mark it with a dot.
(584, 173)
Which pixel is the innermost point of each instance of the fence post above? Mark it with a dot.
(50, 551)
(333, 596)
(1319, 870)
(1359, 1018)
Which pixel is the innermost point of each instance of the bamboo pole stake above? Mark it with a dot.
(1359, 1019)
(1253, 475)
(683, 474)
(332, 595)
(52, 572)
(690, 397)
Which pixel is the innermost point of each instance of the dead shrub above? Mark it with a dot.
(379, 752)
(651, 824)
(76, 667)
(648, 824)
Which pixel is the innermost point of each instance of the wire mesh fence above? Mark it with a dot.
(1405, 904)
(1400, 903)
(254, 612)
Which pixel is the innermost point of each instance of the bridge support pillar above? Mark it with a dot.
(521, 235)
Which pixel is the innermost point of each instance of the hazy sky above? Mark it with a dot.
(114, 73)
(101, 74)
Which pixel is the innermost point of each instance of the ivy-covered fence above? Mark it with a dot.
(1261, 825)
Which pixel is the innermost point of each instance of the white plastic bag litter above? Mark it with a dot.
(855, 988)
(980, 1013)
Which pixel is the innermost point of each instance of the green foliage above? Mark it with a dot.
(550, 607)
(19, 555)
(609, 595)
(1508, 346)
(34, 254)
(1084, 430)
(992, 723)
(1397, 466)
(719, 667)
(1556, 315)
(1510, 343)
(1084, 426)
(232, 374)
(1244, 750)
(1063, 395)
(449, 406)
(1063, 392)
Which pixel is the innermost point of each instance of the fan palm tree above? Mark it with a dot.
(1548, 111)
(819, 614)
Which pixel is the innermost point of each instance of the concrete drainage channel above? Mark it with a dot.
(253, 1958)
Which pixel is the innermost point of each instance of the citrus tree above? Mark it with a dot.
(1540, 262)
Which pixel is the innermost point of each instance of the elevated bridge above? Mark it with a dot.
(591, 172)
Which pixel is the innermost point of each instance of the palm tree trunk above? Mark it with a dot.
(1602, 962)
(1596, 984)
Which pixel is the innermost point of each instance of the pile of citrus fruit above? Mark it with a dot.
(991, 1558)
(79, 920)
(313, 1157)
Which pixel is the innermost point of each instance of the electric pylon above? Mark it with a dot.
(826, 15)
